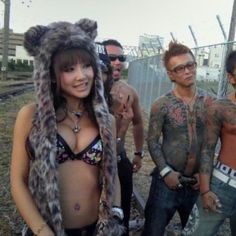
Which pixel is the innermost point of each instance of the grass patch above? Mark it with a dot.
(10, 221)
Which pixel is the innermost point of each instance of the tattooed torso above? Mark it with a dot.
(221, 123)
(182, 131)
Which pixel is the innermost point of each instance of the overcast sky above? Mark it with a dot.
(125, 20)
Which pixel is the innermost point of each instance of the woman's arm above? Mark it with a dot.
(19, 174)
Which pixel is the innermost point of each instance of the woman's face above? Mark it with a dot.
(77, 80)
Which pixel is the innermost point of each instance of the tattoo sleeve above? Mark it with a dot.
(154, 133)
(211, 135)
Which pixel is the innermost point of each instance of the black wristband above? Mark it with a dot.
(202, 194)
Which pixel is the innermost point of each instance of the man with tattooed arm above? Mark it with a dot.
(179, 116)
(218, 179)
(126, 109)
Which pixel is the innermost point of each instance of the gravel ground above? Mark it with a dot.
(10, 221)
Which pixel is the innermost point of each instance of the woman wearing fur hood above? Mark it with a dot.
(63, 171)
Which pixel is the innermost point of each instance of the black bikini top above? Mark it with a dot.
(91, 155)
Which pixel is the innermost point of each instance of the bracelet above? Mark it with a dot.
(40, 229)
(207, 191)
(118, 140)
(165, 171)
(117, 212)
(166, 174)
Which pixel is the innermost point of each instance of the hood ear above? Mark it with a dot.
(89, 27)
(32, 39)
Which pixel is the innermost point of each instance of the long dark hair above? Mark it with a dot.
(65, 59)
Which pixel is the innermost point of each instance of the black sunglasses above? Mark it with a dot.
(191, 65)
(114, 57)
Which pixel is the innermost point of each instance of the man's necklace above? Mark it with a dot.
(188, 103)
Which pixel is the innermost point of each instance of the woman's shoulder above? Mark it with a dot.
(25, 114)
(24, 122)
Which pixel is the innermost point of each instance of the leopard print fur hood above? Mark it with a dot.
(42, 42)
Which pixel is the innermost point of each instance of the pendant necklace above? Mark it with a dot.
(77, 115)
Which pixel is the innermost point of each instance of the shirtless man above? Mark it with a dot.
(179, 117)
(127, 110)
(218, 183)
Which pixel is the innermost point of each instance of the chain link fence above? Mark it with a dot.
(149, 78)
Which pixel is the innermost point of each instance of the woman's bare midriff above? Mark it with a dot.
(79, 193)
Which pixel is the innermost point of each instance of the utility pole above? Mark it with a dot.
(222, 88)
(5, 41)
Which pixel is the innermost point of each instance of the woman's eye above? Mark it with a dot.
(87, 65)
(69, 69)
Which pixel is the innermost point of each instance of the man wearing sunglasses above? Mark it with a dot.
(126, 110)
(179, 117)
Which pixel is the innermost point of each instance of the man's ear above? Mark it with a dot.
(169, 73)
(231, 79)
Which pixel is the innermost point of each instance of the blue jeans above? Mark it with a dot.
(162, 204)
(209, 222)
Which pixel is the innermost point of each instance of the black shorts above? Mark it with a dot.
(84, 231)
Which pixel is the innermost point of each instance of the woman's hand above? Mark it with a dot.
(44, 230)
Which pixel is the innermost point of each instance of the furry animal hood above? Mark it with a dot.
(42, 42)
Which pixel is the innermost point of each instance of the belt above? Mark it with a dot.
(226, 169)
(224, 178)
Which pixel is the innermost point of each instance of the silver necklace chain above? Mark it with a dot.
(77, 115)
